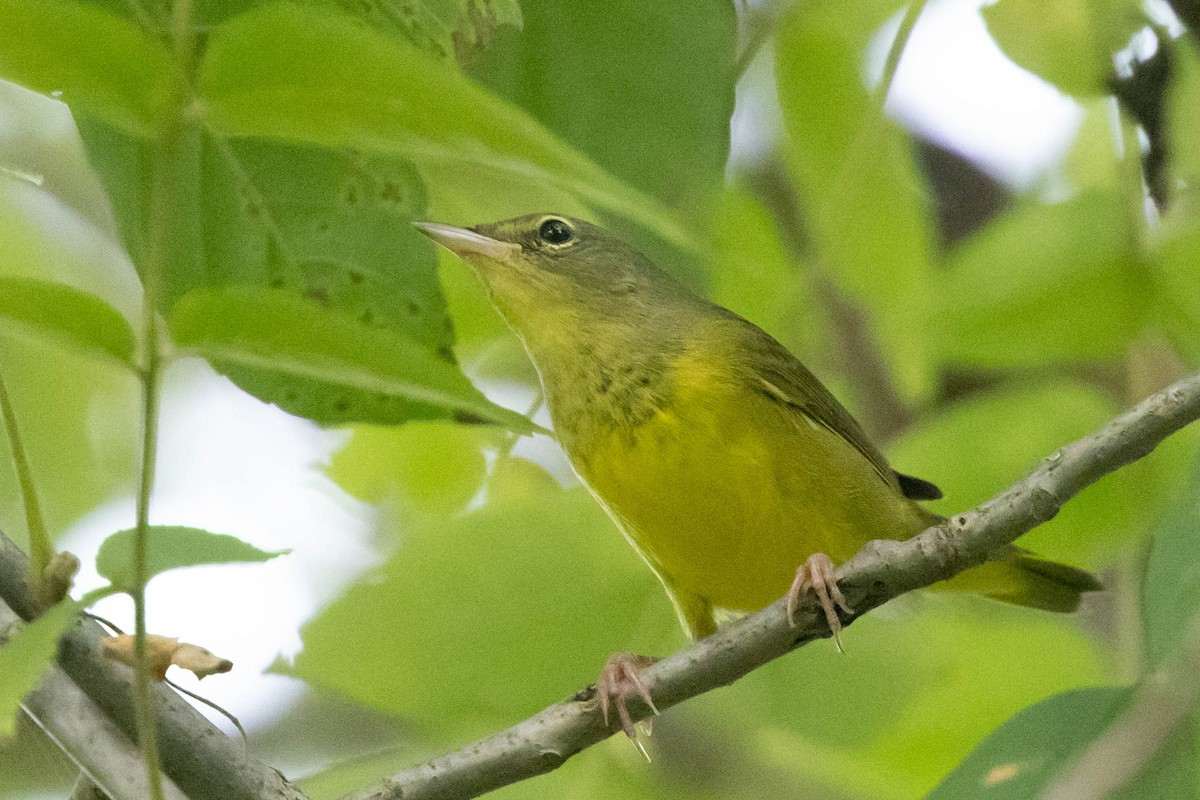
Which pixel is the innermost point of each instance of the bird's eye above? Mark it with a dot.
(555, 231)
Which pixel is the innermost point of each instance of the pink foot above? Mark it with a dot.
(817, 573)
(619, 680)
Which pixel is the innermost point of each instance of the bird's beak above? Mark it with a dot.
(465, 242)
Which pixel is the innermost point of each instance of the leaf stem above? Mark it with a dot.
(151, 387)
(892, 62)
(760, 27)
(161, 223)
(865, 148)
(41, 550)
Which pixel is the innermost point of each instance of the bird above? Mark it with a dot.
(735, 474)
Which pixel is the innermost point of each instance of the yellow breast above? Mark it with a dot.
(726, 491)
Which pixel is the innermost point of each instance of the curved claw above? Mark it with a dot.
(817, 574)
(620, 679)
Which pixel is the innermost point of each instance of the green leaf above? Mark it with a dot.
(1069, 43)
(275, 332)
(672, 144)
(77, 416)
(26, 657)
(752, 273)
(958, 449)
(955, 667)
(1045, 283)
(459, 29)
(1171, 593)
(1176, 275)
(535, 569)
(1094, 164)
(173, 547)
(332, 227)
(289, 72)
(860, 191)
(430, 466)
(1183, 98)
(328, 226)
(1025, 755)
(67, 315)
(1018, 760)
(97, 61)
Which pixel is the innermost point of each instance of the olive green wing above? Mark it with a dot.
(780, 375)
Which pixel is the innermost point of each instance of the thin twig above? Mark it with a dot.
(760, 26)
(883, 570)
(199, 758)
(161, 229)
(41, 549)
(105, 756)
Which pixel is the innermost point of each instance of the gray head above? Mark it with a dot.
(551, 268)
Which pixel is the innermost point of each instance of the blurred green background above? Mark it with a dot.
(972, 318)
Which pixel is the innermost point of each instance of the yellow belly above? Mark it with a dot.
(727, 492)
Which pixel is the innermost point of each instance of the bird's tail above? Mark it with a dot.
(1019, 577)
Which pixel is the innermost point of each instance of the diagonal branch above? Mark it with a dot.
(201, 760)
(107, 759)
(883, 570)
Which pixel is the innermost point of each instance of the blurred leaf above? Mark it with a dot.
(78, 423)
(538, 581)
(959, 450)
(173, 547)
(1183, 100)
(445, 28)
(293, 73)
(476, 320)
(67, 315)
(671, 144)
(752, 273)
(26, 656)
(1069, 43)
(1023, 756)
(1171, 593)
(1177, 274)
(1044, 283)
(431, 466)
(44, 237)
(93, 60)
(1093, 164)
(1025, 753)
(76, 411)
(31, 764)
(274, 332)
(953, 670)
(861, 192)
(46, 147)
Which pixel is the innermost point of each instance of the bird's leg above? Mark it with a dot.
(619, 680)
(817, 573)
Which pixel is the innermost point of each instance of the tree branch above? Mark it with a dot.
(108, 759)
(201, 760)
(883, 570)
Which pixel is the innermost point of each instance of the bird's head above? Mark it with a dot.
(551, 268)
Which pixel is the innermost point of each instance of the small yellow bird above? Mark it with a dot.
(733, 471)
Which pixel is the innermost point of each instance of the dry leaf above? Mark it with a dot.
(163, 652)
(200, 661)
